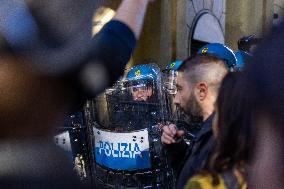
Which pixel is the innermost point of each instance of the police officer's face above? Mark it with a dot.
(142, 93)
(185, 98)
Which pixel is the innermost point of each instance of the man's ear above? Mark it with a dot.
(201, 91)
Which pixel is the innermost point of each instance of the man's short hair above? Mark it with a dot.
(204, 68)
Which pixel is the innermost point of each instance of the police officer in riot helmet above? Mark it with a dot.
(142, 84)
(169, 76)
(141, 81)
(133, 102)
(220, 51)
(235, 60)
(169, 87)
(128, 149)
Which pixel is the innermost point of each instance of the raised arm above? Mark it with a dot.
(113, 46)
(132, 13)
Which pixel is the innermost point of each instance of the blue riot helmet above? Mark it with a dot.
(221, 51)
(174, 65)
(142, 72)
(169, 76)
(141, 81)
(242, 58)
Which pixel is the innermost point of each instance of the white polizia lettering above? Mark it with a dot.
(119, 150)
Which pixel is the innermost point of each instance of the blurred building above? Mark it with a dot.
(175, 29)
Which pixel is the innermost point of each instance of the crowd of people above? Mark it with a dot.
(213, 121)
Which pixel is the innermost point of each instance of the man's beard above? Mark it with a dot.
(192, 108)
(190, 117)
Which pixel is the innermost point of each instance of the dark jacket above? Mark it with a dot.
(190, 159)
(112, 49)
(36, 163)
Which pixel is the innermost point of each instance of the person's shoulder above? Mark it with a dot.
(204, 181)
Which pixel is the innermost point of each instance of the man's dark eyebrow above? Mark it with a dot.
(177, 85)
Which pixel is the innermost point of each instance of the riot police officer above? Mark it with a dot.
(169, 76)
(220, 51)
(169, 87)
(127, 148)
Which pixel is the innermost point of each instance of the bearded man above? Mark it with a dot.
(198, 82)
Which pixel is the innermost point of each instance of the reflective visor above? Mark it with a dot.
(169, 81)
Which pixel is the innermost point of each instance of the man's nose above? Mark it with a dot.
(176, 100)
(139, 93)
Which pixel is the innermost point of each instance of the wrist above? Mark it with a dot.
(141, 2)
